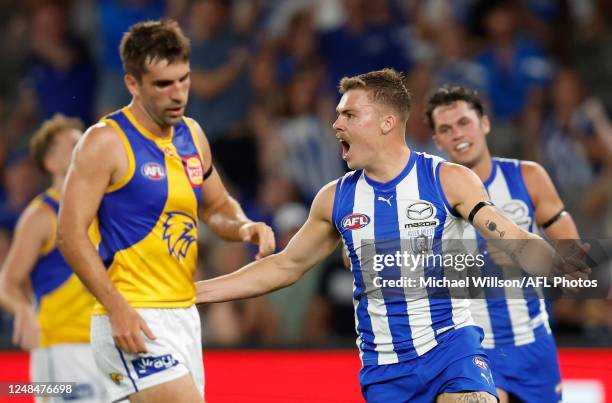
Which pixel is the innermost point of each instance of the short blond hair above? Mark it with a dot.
(44, 138)
(385, 86)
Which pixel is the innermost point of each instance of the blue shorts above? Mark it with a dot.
(530, 372)
(457, 364)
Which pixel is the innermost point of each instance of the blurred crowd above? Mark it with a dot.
(264, 79)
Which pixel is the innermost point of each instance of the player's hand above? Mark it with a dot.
(25, 329)
(570, 262)
(260, 234)
(128, 328)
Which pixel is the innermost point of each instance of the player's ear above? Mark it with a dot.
(387, 123)
(49, 164)
(486, 124)
(131, 83)
(436, 140)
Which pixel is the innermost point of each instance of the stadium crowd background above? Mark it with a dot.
(264, 76)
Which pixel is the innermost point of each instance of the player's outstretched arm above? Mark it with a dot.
(316, 239)
(466, 193)
(34, 230)
(222, 213)
(99, 160)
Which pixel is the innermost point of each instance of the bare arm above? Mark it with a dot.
(98, 161)
(222, 213)
(547, 202)
(34, 229)
(314, 242)
(464, 191)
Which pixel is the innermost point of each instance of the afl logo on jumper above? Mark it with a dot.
(355, 221)
(193, 168)
(153, 171)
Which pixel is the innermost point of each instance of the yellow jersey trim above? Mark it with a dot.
(145, 133)
(130, 155)
(196, 140)
(54, 194)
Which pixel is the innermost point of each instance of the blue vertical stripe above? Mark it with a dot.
(387, 235)
(346, 201)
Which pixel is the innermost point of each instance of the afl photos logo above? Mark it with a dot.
(355, 221)
(153, 171)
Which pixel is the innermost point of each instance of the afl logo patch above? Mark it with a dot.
(355, 221)
(153, 171)
(193, 168)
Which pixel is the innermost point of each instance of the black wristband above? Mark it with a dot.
(477, 208)
(554, 219)
(207, 173)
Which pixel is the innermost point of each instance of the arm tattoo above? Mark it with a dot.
(473, 397)
(492, 226)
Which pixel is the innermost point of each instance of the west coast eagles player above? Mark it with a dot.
(146, 171)
(55, 325)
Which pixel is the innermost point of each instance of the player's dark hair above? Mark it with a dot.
(449, 94)
(44, 138)
(152, 41)
(385, 86)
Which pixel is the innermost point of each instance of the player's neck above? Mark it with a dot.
(57, 182)
(484, 167)
(146, 121)
(389, 164)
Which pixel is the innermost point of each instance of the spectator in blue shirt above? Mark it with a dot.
(59, 69)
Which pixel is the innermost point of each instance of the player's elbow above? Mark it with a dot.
(65, 237)
(292, 270)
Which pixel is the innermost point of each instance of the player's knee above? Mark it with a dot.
(467, 397)
(503, 396)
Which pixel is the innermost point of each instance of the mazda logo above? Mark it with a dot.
(420, 211)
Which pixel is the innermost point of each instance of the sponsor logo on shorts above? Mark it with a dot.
(193, 168)
(146, 366)
(153, 171)
(116, 377)
(355, 221)
(479, 362)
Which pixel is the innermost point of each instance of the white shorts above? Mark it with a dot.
(72, 362)
(176, 351)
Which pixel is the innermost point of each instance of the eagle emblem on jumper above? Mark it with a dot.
(180, 232)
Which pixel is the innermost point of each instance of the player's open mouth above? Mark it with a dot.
(462, 146)
(345, 148)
